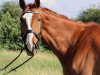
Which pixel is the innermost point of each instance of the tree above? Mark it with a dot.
(91, 14)
(10, 26)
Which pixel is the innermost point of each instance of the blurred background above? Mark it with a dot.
(70, 8)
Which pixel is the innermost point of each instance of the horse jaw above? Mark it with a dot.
(29, 44)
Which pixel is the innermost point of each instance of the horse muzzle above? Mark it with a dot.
(29, 45)
(30, 50)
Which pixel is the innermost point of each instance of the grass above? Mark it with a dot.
(43, 63)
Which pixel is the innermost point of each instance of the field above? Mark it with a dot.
(43, 63)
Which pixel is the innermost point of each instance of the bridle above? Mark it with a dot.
(37, 35)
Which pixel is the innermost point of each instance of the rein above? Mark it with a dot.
(14, 69)
(12, 61)
(38, 36)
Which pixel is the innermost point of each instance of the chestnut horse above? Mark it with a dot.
(76, 44)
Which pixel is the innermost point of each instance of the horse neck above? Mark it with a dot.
(58, 33)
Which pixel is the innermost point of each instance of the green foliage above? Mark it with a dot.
(10, 26)
(10, 33)
(91, 14)
(43, 47)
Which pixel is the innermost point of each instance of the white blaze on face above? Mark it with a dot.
(28, 18)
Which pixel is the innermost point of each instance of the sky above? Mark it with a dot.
(69, 8)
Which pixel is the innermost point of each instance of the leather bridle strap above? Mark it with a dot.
(32, 12)
(38, 36)
(14, 69)
(30, 31)
(12, 61)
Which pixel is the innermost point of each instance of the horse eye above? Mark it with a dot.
(39, 19)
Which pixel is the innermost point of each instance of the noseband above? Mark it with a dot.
(38, 36)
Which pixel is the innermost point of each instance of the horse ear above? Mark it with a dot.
(22, 4)
(37, 3)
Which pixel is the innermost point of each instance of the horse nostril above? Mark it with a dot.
(35, 46)
(25, 43)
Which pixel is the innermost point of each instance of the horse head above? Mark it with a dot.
(30, 25)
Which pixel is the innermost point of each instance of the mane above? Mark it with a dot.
(46, 10)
